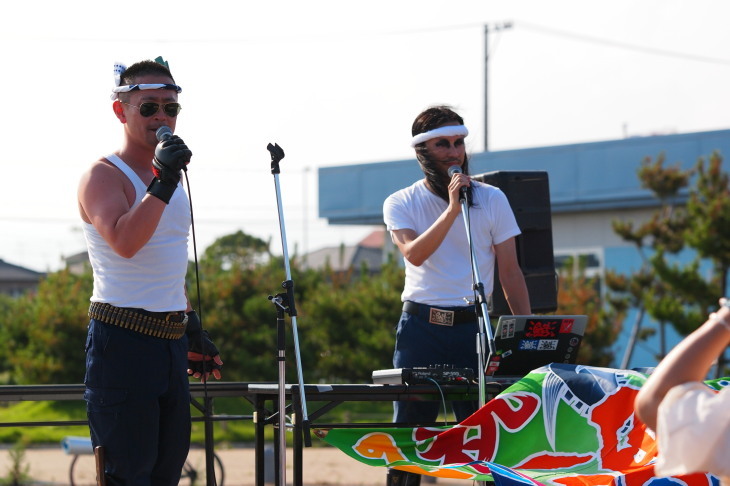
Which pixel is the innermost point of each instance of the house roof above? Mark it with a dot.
(15, 273)
(376, 239)
(341, 257)
(81, 257)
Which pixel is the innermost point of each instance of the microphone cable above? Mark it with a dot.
(443, 399)
(197, 278)
(164, 133)
(199, 304)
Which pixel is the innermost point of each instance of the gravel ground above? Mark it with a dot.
(322, 466)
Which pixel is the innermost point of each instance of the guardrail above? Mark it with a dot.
(201, 397)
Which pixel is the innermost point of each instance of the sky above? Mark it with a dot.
(333, 83)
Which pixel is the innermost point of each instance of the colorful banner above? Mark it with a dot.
(561, 424)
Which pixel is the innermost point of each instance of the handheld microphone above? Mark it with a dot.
(163, 133)
(455, 169)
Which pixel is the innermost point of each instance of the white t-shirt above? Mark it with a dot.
(445, 278)
(693, 431)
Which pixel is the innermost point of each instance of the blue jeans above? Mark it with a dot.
(138, 404)
(419, 343)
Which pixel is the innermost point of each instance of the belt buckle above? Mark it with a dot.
(441, 317)
(169, 318)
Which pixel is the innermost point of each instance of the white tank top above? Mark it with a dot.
(154, 278)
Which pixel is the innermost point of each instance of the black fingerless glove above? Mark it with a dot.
(199, 343)
(171, 156)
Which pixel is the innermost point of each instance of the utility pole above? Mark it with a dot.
(305, 211)
(496, 27)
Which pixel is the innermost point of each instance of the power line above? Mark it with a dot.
(621, 45)
(497, 27)
(299, 37)
(364, 34)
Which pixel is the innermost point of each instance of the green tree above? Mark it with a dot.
(344, 320)
(48, 331)
(681, 295)
(579, 294)
(236, 272)
(237, 250)
(349, 323)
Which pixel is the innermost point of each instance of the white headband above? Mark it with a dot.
(447, 131)
(135, 87)
(119, 68)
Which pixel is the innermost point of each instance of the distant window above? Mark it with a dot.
(581, 261)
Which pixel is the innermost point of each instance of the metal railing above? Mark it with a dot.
(201, 397)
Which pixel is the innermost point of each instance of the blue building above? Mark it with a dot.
(591, 184)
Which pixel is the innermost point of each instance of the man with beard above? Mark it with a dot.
(439, 323)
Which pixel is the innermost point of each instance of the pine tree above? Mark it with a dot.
(692, 222)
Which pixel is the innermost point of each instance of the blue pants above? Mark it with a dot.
(419, 343)
(138, 404)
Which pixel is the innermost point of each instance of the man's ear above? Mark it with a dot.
(119, 111)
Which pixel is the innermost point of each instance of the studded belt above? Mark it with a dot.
(165, 325)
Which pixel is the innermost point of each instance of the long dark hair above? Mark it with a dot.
(429, 119)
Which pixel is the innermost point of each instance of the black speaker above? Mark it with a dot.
(528, 193)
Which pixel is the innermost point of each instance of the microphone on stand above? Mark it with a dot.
(455, 169)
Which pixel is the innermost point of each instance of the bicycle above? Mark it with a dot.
(82, 470)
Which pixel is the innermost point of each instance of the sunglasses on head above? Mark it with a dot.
(149, 108)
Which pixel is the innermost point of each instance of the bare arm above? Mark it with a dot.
(511, 278)
(417, 248)
(104, 203)
(689, 361)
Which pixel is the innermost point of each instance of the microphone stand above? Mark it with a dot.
(485, 327)
(284, 302)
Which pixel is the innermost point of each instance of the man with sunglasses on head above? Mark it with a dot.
(144, 338)
(439, 322)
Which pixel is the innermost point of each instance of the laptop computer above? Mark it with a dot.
(524, 343)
